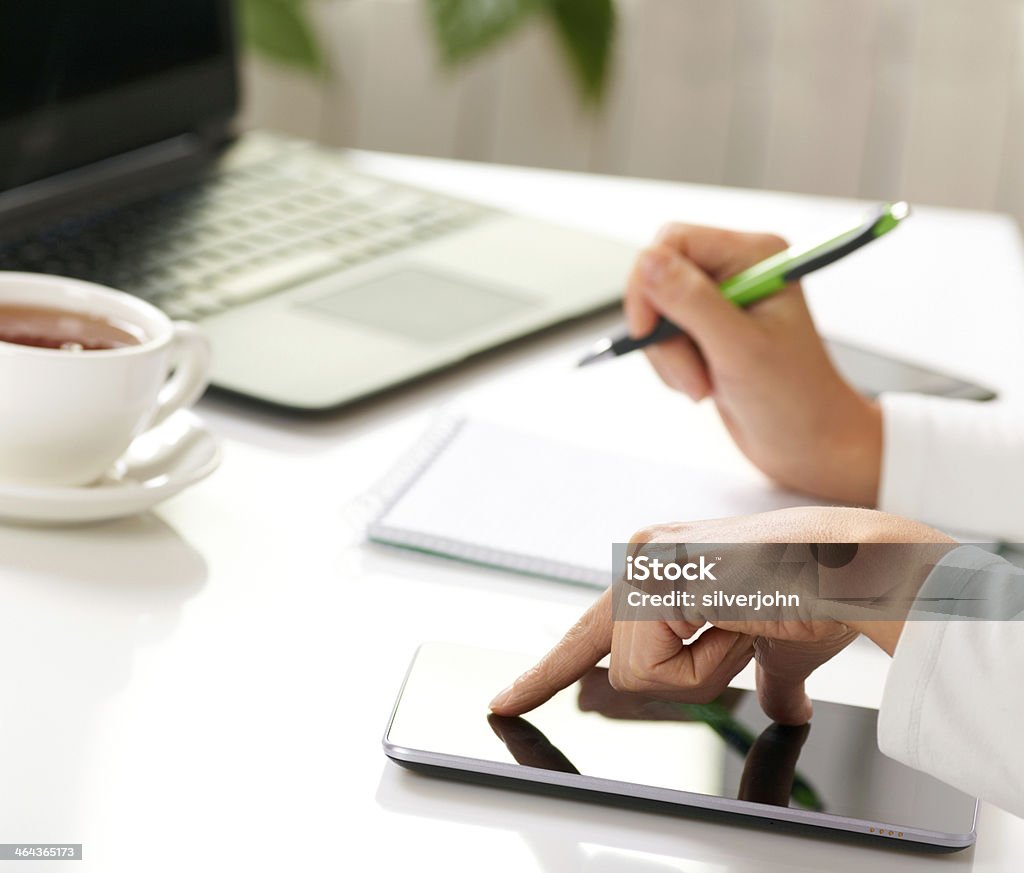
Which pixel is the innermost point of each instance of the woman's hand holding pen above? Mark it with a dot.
(765, 367)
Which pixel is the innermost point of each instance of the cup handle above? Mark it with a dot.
(190, 357)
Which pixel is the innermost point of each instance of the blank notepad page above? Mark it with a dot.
(483, 492)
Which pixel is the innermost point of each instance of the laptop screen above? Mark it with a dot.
(85, 80)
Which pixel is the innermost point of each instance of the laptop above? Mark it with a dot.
(120, 164)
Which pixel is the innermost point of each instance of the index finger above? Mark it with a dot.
(586, 643)
(720, 253)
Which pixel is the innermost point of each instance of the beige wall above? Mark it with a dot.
(922, 99)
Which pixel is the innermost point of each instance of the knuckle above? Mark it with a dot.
(621, 676)
(772, 242)
(641, 671)
(577, 638)
(628, 681)
(636, 276)
(537, 674)
(669, 230)
(684, 282)
(688, 289)
(647, 534)
(615, 678)
(691, 684)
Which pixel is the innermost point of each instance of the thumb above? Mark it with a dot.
(688, 297)
(586, 643)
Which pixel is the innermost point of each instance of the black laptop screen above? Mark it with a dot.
(88, 79)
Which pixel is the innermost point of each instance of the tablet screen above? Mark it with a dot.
(725, 749)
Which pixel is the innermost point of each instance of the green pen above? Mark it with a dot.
(767, 278)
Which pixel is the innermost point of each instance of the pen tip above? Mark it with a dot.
(599, 352)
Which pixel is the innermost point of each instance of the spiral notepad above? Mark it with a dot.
(485, 493)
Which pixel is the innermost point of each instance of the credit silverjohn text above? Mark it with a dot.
(646, 568)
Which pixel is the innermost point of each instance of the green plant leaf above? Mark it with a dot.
(464, 28)
(279, 29)
(587, 29)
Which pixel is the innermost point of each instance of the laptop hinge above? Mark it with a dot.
(112, 178)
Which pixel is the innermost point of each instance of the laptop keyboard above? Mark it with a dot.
(239, 234)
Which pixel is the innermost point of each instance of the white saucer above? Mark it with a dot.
(158, 465)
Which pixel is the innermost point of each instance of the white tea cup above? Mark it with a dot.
(66, 415)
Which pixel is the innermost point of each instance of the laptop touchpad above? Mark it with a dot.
(420, 305)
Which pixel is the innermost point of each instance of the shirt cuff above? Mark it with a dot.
(906, 450)
(955, 464)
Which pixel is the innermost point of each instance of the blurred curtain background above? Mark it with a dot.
(920, 99)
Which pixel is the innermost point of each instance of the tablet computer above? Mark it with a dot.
(872, 373)
(724, 758)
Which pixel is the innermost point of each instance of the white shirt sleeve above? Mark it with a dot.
(954, 464)
(952, 705)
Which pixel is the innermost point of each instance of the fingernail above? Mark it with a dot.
(502, 697)
(654, 266)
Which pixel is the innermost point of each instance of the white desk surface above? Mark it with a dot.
(205, 687)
